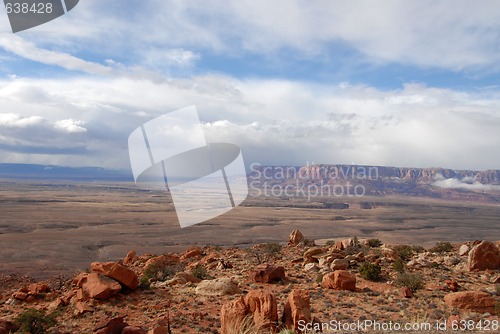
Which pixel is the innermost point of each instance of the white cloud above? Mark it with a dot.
(70, 126)
(465, 183)
(28, 50)
(274, 121)
(447, 34)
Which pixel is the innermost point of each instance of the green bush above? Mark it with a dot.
(412, 281)
(160, 272)
(319, 278)
(406, 251)
(330, 243)
(441, 247)
(34, 321)
(399, 266)
(272, 248)
(200, 272)
(370, 271)
(374, 243)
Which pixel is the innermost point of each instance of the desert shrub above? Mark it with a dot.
(200, 272)
(399, 266)
(370, 271)
(241, 326)
(404, 251)
(417, 249)
(412, 281)
(441, 247)
(330, 243)
(374, 242)
(266, 252)
(272, 248)
(144, 282)
(319, 278)
(434, 265)
(497, 289)
(34, 321)
(159, 272)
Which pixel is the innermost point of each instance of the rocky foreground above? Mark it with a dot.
(269, 288)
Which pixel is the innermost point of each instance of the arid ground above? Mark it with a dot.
(50, 227)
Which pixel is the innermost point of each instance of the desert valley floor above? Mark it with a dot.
(47, 227)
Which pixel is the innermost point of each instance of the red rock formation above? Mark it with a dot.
(295, 238)
(477, 301)
(118, 272)
(340, 280)
(297, 307)
(266, 273)
(485, 255)
(100, 287)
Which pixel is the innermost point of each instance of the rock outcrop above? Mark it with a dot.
(257, 310)
(297, 308)
(339, 280)
(267, 273)
(118, 272)
(485, 255)
(477, 301)
(295, 238)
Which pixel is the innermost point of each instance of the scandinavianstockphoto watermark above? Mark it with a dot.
(310, 181)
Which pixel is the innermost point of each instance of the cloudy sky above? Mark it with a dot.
(400, 83)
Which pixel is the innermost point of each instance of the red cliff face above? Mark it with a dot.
(378, 180)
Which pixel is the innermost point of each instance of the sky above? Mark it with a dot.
(292, 82)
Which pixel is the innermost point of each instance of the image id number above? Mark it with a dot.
(25, 8)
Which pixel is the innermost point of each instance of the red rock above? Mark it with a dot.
(81, 308)
(266, 273)
(100, 287)
(183, 278)
(406, 292)
(130, 258)
(496, 280)
(485, 255)
(133, 330)
(191, 252)
(110, 326)
(80, 279)
(340, 280)
(159, 330)
(212, 257)
(452, 284)
(38, 288)
(233, 315)
(477, 301)
(7, 326)
(80, 295)
(118, 272)
(339, 245)
(264, 308)
(30, 299)
(297, 308)
(56, 304)
(20, 295)
(339, 264)
(295, 238)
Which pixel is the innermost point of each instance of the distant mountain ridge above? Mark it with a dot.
(51, 172)
(375, 180)
(380, 180)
